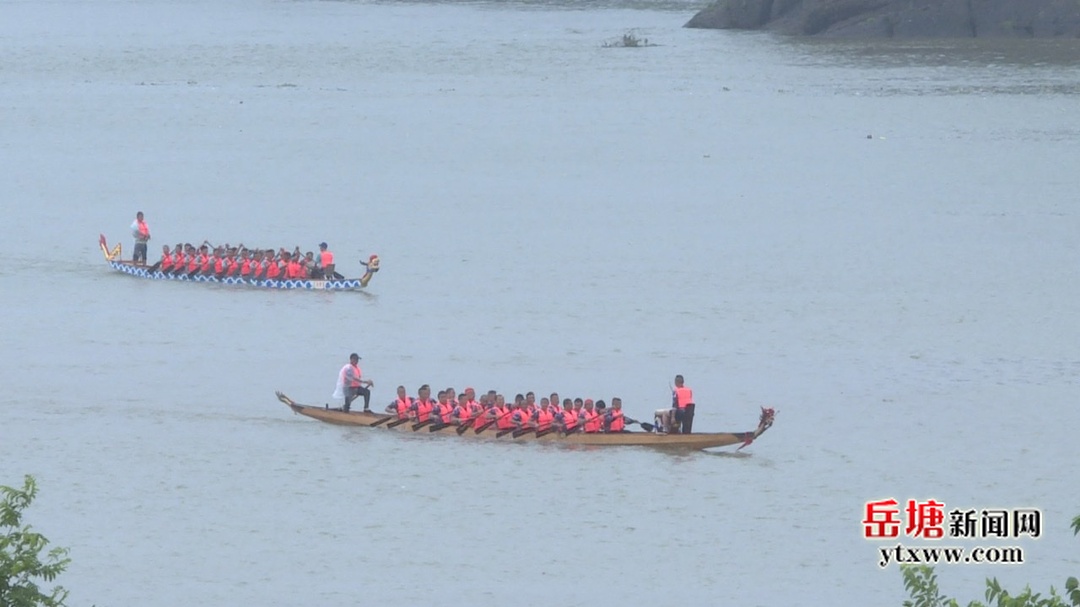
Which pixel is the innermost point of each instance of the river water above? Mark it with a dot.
(878, 240)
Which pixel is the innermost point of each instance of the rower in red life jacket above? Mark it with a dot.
(293, 269)
(443, 409)
(682, 399)
(245, 264)
(272, 271)
(165, 265)
(566, 419)
(232, 265)
(462, 413)
(401, 405)
(258, 266)
(423, 404)
(476, 408)
(194, 261)
(590, 419)
(179, 260)
(217, 263)
(503, 411)
(615, 421)
(543, 417)
(207, 263)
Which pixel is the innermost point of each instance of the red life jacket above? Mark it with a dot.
(592, 421)
(166, 262)
(245, 267)
(193, 265)
(232, 267)
(503, 416)
(403, 405)
(326, 258)
(293, 269)
(683, 396)
(463, 413)
(617, 423)
(272, 270)
(569, 419)
(205, 267)
(520, 418)
(423, 410)
(179, 261)
(219, 265)
(257, 269)
(544, 419)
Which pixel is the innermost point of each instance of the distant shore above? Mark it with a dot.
(897, 18)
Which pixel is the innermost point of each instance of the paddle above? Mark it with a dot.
(398, 422)
(438, 427)
(553, 429)
(502, 433)
(381, 421)
(416, 427)
(646, 426)
(488, 424)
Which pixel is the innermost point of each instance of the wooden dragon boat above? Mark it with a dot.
(705, 440)
(113, 257)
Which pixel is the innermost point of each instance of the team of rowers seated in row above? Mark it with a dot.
(523, 414)
(240, 262)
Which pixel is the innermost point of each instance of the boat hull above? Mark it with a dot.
(706, 440)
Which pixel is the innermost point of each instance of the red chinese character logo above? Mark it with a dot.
(882, 519)
(925, 519)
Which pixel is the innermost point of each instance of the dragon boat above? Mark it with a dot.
(705, 440)
(113, 258)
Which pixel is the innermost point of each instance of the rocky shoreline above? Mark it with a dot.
(897, 18)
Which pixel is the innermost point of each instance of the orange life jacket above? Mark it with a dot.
(326, 258)
(403, 405)
(166, 262)
(245, 267)
(272, 270)
(569, 419)
(442, 412)
(544, 419)
(683, 396)
(503, 416)
(423, 410)
(617, 423)
(592, 421)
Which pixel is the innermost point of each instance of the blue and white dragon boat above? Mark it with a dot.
(113, 257)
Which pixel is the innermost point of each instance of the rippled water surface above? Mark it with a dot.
(877, 240)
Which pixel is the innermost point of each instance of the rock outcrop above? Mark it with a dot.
(898, 18)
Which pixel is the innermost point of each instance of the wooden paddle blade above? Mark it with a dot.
(648, 427)
(502, 433)
(520, 433)
(397, 423)
(437, 427)
(484, 427)
(416, 427)
(381, 421)
(461, 430)
(545, 432)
